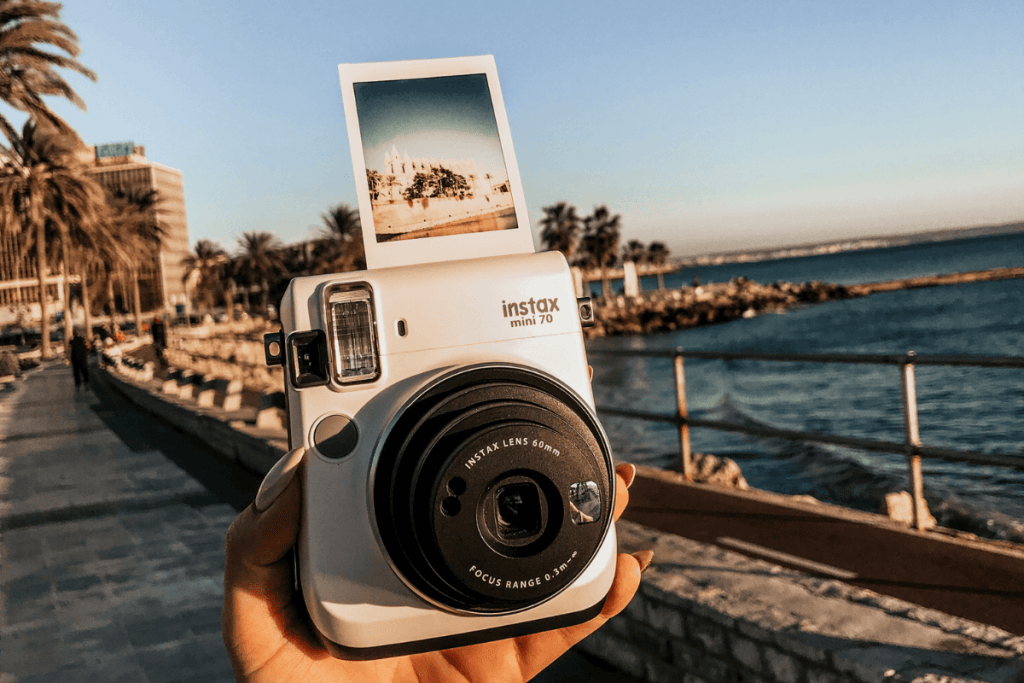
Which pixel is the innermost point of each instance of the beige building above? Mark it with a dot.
(116, 166)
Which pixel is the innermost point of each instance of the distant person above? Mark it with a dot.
(159, 332)
(79, 359)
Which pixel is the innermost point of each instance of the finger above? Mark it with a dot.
(624, 474)
(624, 587)
(538, 650)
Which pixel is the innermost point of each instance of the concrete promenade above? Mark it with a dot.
(112, 554)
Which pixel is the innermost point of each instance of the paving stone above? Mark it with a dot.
(117, 552)
(78, 583)
(120, 582)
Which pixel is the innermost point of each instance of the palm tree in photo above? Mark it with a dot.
(259, 261)
(561, 229)
(204, 269)
(339, 247)
(28, 71)
(601, 243)
(373, 182)
(388, 183)
(40, 179)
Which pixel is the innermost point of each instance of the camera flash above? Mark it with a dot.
(352, 328)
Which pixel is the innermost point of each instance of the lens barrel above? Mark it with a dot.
(477, 489)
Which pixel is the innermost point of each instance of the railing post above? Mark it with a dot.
(912, 436)
(684, 427)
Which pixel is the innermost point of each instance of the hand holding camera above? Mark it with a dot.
(268, 640)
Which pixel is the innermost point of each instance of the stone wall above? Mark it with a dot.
(705, 305)
(705, 614)
(236, 439)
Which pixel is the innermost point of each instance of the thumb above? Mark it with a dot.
(258, 586)
(256, 541)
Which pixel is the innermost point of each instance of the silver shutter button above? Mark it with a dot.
(335, 436)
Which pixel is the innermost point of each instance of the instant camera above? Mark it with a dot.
(457, 487)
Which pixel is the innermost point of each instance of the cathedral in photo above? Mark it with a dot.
(416, 197)
(399, 170)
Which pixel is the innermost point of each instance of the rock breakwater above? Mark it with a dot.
(675, 309)
(707, 305)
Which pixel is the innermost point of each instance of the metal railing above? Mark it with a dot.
(911, 446)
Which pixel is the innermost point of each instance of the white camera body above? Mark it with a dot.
(369, 591)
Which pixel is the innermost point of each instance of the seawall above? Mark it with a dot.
(705, 614)
(665, 310)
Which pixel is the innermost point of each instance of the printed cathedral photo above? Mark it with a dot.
(434, 162)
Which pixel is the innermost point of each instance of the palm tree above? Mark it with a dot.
(27, 70)
(79, 221)
(259, 261)
(389, 183)
(561, 229)
(657, 255)
(105, 249)
(135, 219)
(634, 251)
(232, 278)
(340, 244)
(601, 243)
(373, 181)
(205, 267)
(43, 184)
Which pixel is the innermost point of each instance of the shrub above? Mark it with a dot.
(9, 364)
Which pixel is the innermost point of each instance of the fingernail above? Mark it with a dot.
(644, 557)
(278, 478)
(628, 472)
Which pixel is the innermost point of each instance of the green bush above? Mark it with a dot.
(9, 364)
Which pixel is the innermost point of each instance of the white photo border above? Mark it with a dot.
(444, 248)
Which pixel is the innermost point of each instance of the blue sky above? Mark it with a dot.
(712, 126)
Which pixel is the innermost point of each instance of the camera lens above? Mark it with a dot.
(517, 508)
(491, 489)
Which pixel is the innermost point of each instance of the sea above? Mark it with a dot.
(959, 407)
